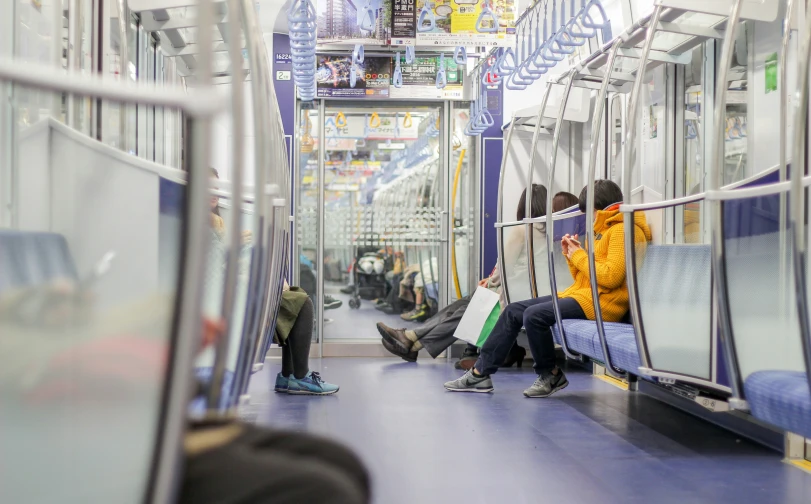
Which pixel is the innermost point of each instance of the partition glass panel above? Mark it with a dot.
(306, 249)
(674, 284)
(516, 266)
(571, 223)
(463, 206)
(690, 218)
(736, 165)
(760, 285)
(88, 284)
(384, 193)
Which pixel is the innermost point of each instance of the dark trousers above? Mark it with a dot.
(537, 316)
(436, 334)
(264, 466)
(296, 351)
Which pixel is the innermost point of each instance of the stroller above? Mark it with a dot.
(369, 274)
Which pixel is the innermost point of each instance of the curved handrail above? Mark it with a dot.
(716, 174)
(500, 210)
(214, 398)
(627, 166)
(530, 240)
(596, 127)
(798, 194)
(550, 226)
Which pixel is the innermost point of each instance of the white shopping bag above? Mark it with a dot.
(479, 317)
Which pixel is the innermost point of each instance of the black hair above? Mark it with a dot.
(538, 202)
(606, 193)
(564, 200)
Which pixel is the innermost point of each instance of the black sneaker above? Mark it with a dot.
(330, 303)
(547, 384)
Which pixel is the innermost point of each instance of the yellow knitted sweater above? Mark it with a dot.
(609, 261)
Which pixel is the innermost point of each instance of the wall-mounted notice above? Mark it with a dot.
(334, 77)
(419, 79)
(404, 22)
(354, 21)
(466, 22)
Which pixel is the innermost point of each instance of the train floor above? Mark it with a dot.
(591, 442)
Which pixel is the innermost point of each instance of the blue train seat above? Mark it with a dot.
(781, 398)
(29, 259)
(663, 272)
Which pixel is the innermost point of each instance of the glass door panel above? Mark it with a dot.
(384, 193)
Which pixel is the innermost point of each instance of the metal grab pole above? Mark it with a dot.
(797, 195)
(550, 223)
(530, 239)
(235, 243)
(782, 167)
(627, 166)
(500, 210)
(716, 180)
(595, 143)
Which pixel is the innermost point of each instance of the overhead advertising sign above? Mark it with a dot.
(488, 23)
(353, 21)
(390, 127)
(371, 78)
(403, 22)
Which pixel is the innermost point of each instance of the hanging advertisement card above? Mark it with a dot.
(403, 22)
(419, 80)
(334, 77)
(354, 21)
(488, 23)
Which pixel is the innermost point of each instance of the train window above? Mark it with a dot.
(615, 150)
(691, 216)
(735, 130)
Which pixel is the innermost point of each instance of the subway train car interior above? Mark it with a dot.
(405, 251)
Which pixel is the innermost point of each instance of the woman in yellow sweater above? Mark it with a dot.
(538, 316)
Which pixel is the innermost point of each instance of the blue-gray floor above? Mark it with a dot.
(591, 442)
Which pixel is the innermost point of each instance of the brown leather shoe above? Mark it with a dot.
(466, 363)
(395, 336)
(399, 352)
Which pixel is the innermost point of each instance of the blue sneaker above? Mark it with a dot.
(282, 383)
(312, 384)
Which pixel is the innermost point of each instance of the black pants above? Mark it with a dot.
(537, 316)
(296, 351)
(263, 466)
(436, 334)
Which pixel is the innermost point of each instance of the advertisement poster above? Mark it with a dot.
(354, 21)
(404, 22)
(334, 77)
(419, 80)
(466, 22)
(391, 127)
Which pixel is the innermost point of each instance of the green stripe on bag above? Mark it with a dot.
(489, 324)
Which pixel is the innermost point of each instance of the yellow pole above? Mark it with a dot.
(453, 221)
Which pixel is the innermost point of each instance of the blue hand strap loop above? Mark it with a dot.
(353, 76)
(410, 53)
(587, 20)
(366, 17)
(426, 13)
(487, 14)
(460, 55)
(397, 75)
(441, 77)
(358, 54)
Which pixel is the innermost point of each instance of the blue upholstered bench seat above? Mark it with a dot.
(781, 398)
(30, 259)
(582, 337)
